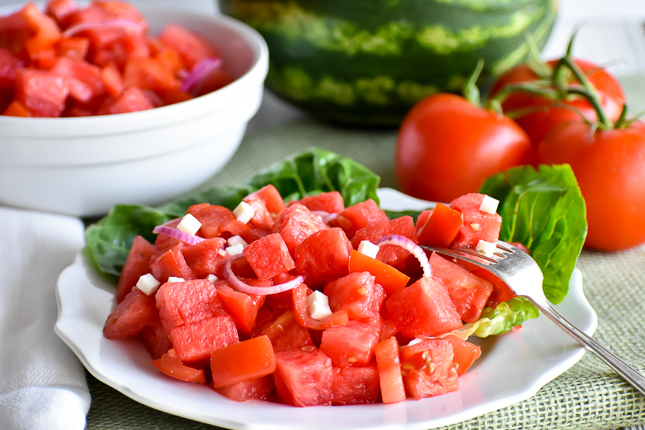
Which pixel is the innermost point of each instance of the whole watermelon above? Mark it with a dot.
(367, 62)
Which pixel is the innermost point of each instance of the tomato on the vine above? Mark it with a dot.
(447, 146)
(610, 168)
(537, 114)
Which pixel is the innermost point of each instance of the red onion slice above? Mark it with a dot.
(410, 246)
(190, 239)
(258, 291)
(198, 72)
(124, 24)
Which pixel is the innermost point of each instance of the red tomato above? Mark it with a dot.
(546, 116)
(447, 147)
(610, 168)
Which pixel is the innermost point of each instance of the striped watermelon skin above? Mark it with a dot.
(366, 62)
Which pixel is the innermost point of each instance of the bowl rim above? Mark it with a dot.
(102, 125)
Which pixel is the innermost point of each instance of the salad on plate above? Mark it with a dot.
(298, 288)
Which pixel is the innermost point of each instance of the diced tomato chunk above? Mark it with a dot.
(241, 306)
(253, 389)
(477, 225)
(149, 73)
(323, 256)
(194, 342)
(16, 108)
(46, 31)
(136, 311)
(465, 354)
(9, 63)
(423, 309)
(285, 333)
(269, 256)
(136, 265)
(441, 226)
(204, 258)
(171, 365)
(296, 223)
(351, 344)
(304, 378)
(61, 10)
(468, 292)
(359, 216)
(355, 385)
(73, 47)
(242, 361)
(171, 263)
(358, 294)
(331, 202)
(191, 46)
(389, 368)
(387, 276)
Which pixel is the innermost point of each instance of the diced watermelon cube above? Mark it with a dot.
(253, 389)
(84, 79)
(359, 294)
(393, 255)
(155, 339)
(181, 303)
(465, 354)
(131, 100)
(269, 256)
(360, 215)
(323, 257)
(9, 63)
(296, 223)
(468, 292)
(217, 221)
(423, 309)
(191, 46)
(136, 265)
(304, 378)
(351, 344)
(330, 202)
(267, 203)
(136, 311)
(427, 368)
(41, 92)
(355, 385)
(194, 342)
(477, 225)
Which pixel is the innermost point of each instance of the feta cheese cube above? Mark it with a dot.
(368, 248)
(175, 279)
(487, 248)
(489, 205)
(148, 284)
(212, 277)
(235, 249)
(244, 212)
(236, 240)
(189, 224)
(318, 306)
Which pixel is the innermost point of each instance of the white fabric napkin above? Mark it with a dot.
(42, 383)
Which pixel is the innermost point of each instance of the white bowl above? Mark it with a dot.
(84, 166)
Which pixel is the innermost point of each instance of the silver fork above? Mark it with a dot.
(522, 274)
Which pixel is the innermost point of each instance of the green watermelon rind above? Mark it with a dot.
(369, 62)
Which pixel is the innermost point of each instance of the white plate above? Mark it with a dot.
(513, 367)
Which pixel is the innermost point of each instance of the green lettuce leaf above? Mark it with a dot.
(502, 319)
(544, 210)
(306, 173)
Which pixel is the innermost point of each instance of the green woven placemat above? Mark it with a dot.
(589, 395)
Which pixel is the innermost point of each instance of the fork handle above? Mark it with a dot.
(630, 374)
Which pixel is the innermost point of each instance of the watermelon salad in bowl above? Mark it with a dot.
(102, 103)
(297, 288)
(368, 62)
